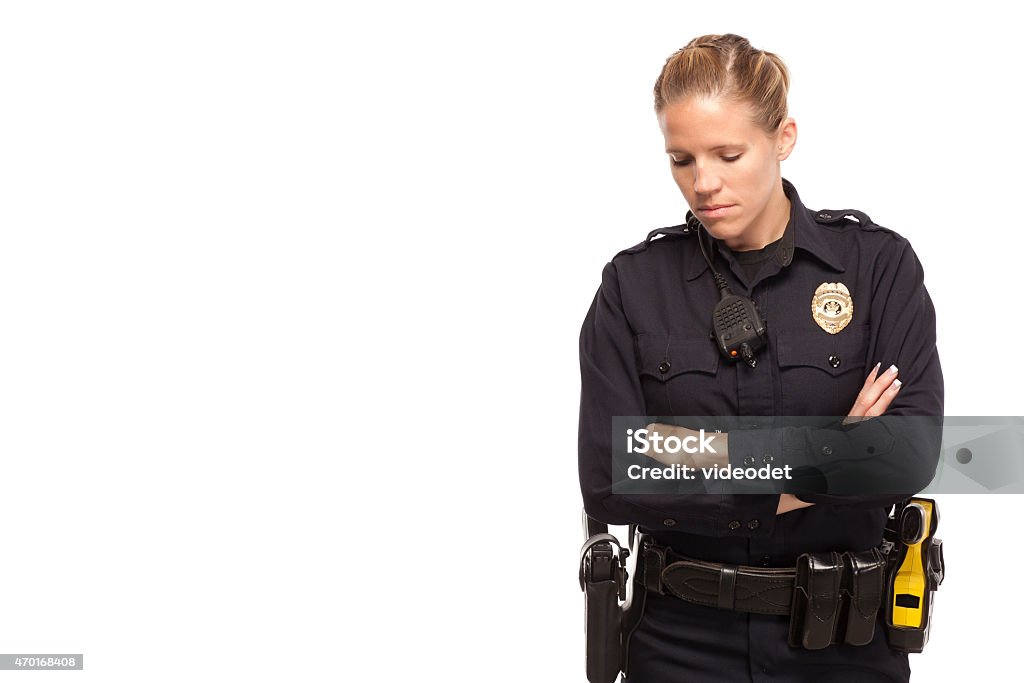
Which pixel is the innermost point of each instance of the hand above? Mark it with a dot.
(720, 458)
(876, 395)
(788, 502)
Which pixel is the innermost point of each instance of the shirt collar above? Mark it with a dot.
(801, 231)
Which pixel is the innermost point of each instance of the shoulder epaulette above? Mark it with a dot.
(840, 217)
(672, 231)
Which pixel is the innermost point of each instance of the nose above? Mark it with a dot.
(705, 180)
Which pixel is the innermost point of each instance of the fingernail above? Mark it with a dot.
(896, 383)
(893, 369)
(878, 365)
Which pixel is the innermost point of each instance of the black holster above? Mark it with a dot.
(609, 624)
(603, 581)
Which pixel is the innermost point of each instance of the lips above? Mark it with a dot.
(715, 210)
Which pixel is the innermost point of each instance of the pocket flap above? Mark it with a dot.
(832, 353)
(663, 356)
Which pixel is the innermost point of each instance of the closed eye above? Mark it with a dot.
(686, 162)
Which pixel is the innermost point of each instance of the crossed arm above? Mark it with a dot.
(878, 391)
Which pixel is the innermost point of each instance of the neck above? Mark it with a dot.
(767, 227)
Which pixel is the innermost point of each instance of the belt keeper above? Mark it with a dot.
(727, 586)
(654, 564)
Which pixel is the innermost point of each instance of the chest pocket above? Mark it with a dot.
(679, 376)
(821, 373)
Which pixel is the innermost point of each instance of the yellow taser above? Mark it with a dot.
(918, 571)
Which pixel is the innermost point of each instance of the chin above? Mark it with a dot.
(725, 229)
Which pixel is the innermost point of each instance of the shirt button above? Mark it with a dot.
(748, 461)
(834, 360)
(664, 367)
(669, 522)
(734, 525)
(827, 450)
(766, 560)
(753, 524)
(767, 459)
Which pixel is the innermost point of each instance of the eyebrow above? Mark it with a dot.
(716, 147)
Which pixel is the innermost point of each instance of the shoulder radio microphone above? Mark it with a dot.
(737, 327)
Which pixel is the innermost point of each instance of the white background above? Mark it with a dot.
(290, 296)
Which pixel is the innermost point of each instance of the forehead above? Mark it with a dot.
(698, 123)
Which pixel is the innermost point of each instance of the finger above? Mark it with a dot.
(882, 404)
(874, 386)
(873, 374)
(865, 398)
(880, 385)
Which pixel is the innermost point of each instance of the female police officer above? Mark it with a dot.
(845, 299)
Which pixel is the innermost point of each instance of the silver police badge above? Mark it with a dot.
(832, 306)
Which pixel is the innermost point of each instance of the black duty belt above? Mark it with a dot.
(831, 597)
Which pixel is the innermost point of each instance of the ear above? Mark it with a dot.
(785, 140)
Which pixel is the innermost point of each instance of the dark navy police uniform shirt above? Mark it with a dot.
(645, 351)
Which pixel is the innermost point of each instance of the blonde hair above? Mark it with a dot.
(727, 66)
